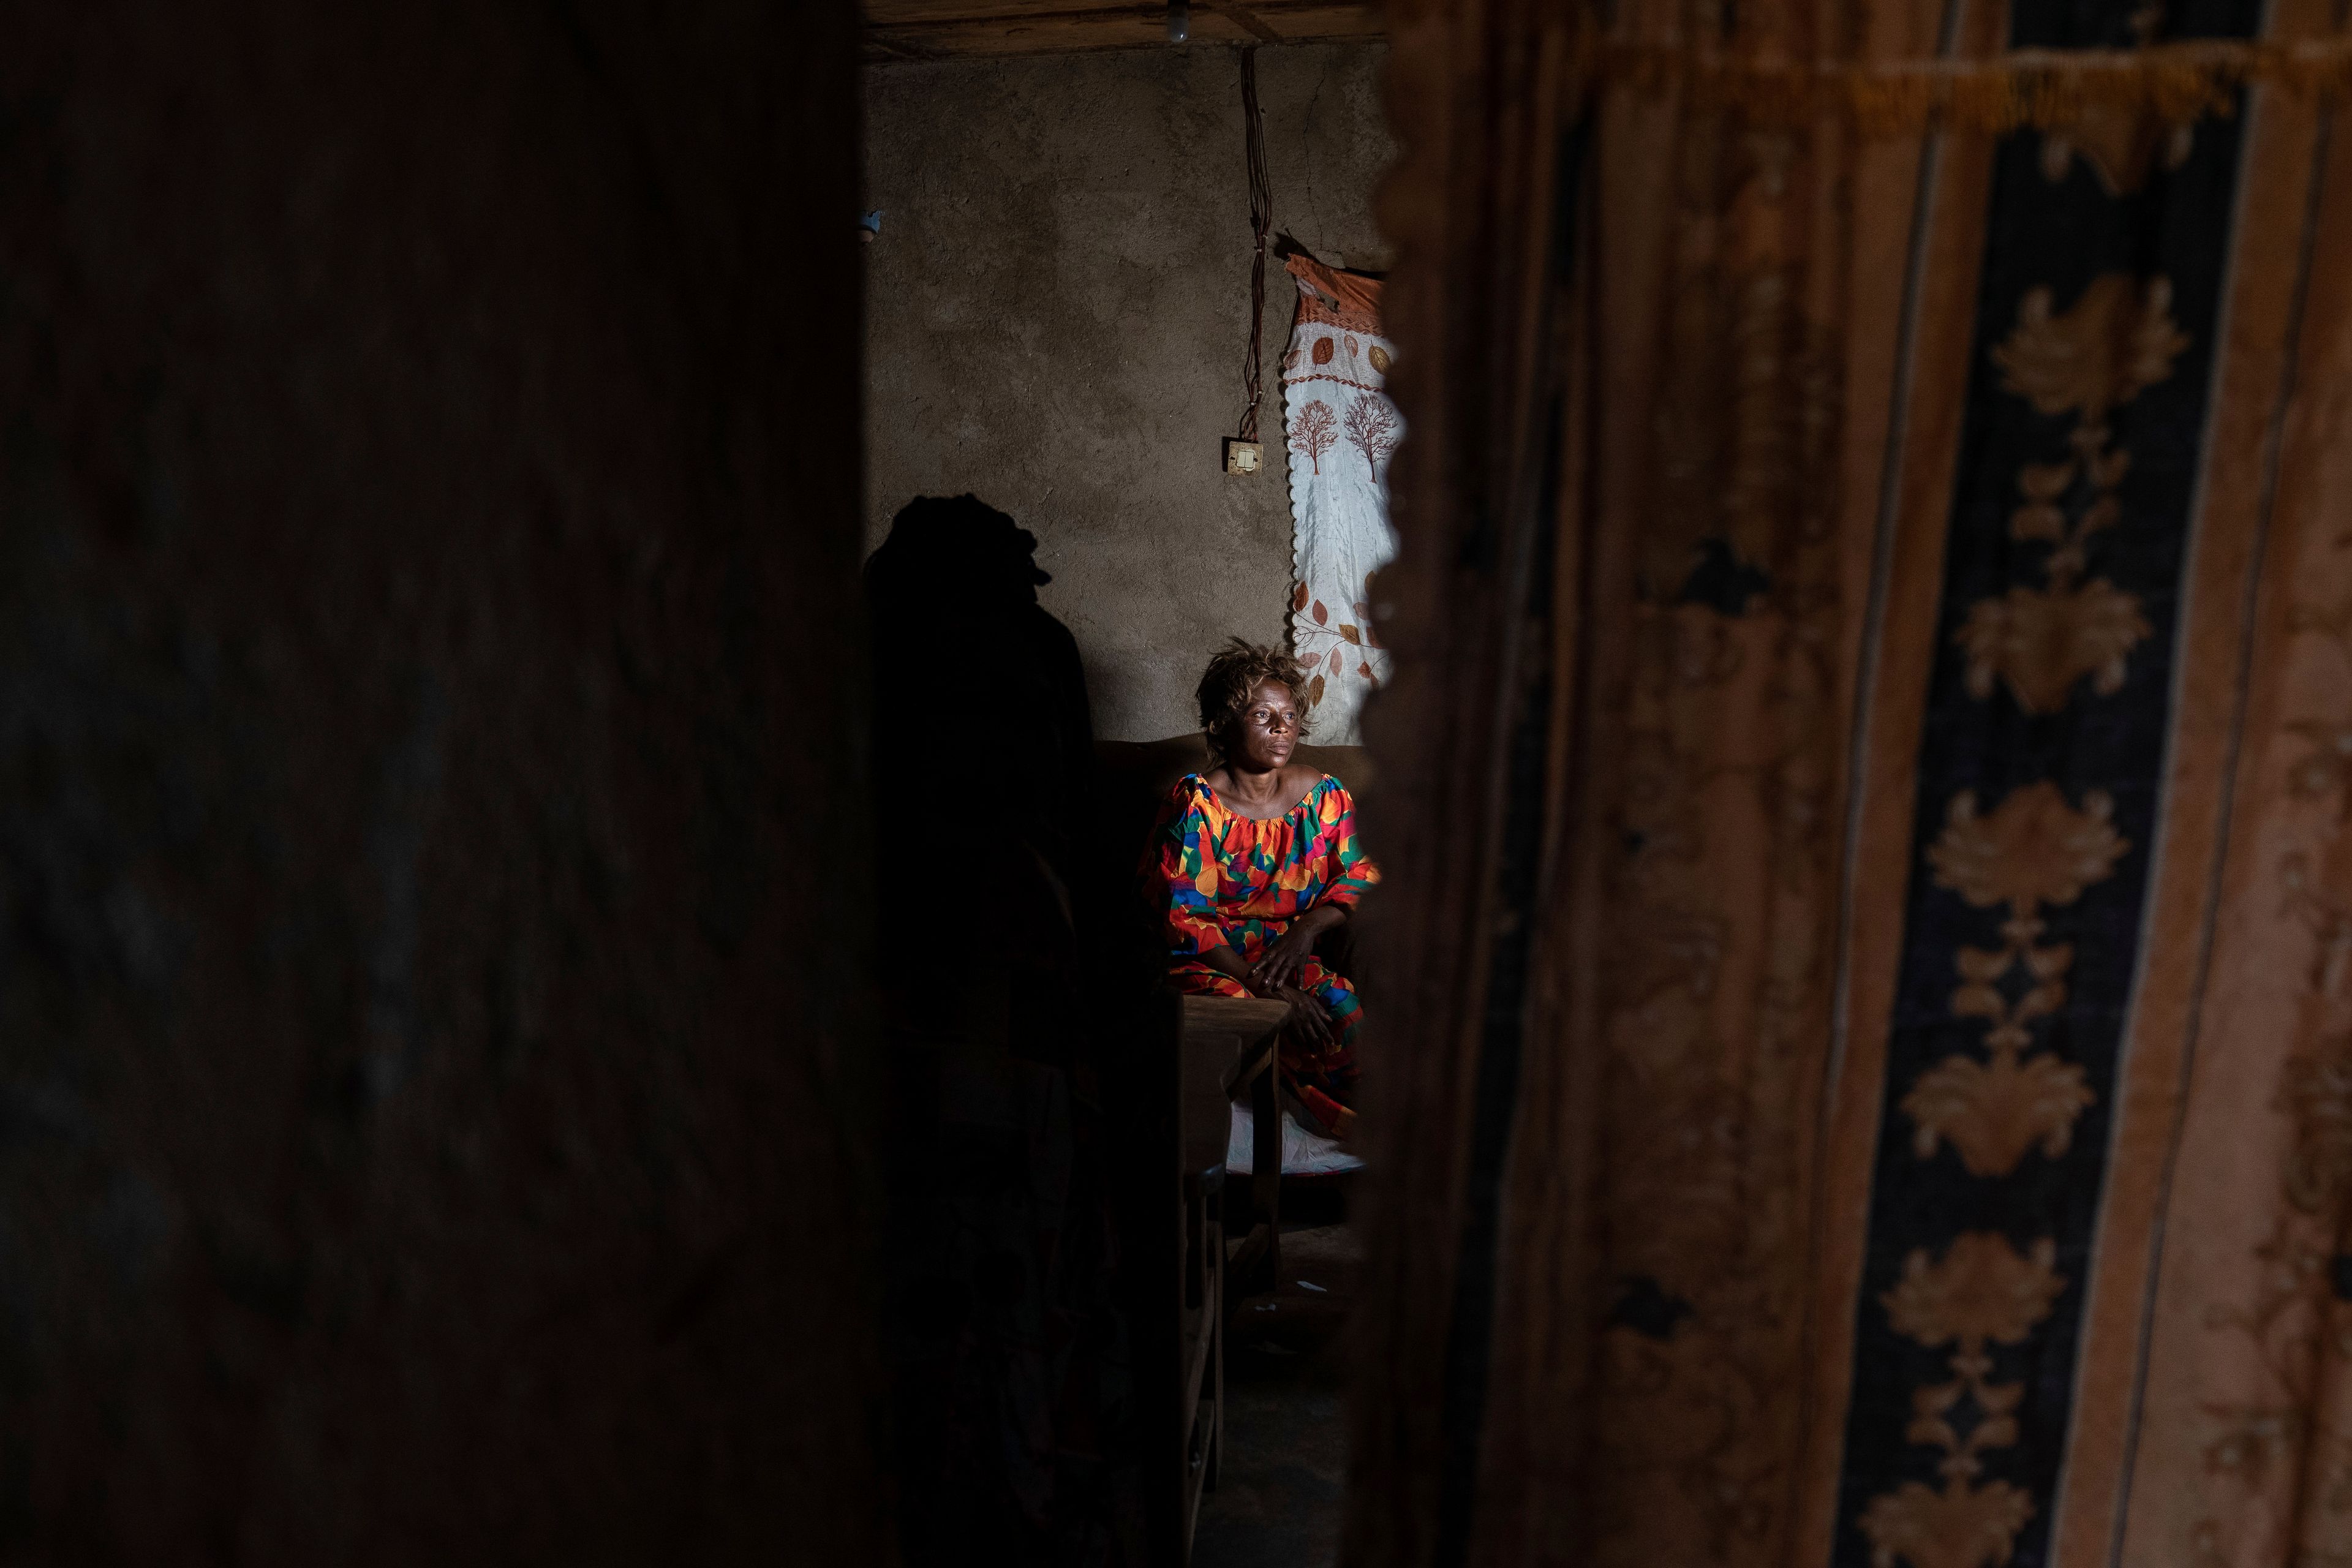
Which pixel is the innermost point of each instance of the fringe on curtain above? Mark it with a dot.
(2039, 88)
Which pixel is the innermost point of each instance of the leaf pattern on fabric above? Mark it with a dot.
(1335, 399)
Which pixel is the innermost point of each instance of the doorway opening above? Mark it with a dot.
(1123, 276)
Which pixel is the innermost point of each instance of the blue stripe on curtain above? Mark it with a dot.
(2036, 810)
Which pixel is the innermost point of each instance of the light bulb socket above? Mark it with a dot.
(1179, 21)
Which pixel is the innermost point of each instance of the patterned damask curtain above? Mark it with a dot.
(1866, 1075)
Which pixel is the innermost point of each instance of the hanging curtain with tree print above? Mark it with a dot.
(1341, 430)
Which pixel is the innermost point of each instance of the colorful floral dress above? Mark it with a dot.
(1217, 878)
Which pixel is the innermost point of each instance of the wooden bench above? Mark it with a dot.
(1223, 1042)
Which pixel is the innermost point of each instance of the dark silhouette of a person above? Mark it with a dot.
(1008, 1343)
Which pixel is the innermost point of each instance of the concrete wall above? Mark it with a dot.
(1059, 306)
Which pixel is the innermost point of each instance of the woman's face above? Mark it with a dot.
(1262, 738)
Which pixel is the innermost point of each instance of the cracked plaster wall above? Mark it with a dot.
(1059, 306)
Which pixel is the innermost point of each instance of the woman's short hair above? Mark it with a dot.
(1234, 676)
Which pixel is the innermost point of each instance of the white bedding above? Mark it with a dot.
(1303, 1153)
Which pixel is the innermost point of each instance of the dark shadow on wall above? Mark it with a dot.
(973, 679)
(1011, 1347)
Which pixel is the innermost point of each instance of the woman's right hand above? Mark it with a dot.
(1307, 1017)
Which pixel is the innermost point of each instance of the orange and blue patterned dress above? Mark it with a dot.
(1217, 878)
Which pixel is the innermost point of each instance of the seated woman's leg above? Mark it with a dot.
(1200, 980)
(1324, 1077)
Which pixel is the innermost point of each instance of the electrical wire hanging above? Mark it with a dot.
(1260, 221)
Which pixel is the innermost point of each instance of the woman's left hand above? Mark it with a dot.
(1281, 963)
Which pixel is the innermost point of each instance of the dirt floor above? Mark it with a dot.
(1278, 1492)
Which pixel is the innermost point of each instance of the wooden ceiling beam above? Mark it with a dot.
(1251, 23)
(907, 30)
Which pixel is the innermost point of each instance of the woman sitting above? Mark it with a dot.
(1255, 859)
